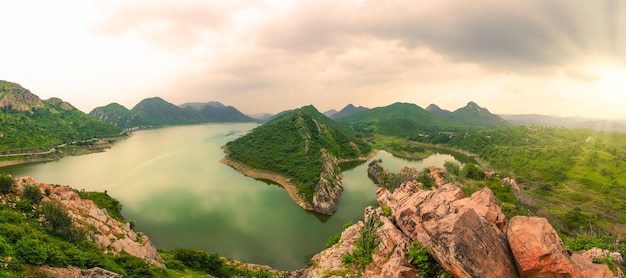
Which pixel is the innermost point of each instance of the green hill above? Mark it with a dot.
(476, 116)
(118, 115)
(398, 119)
(299, 145)
(158, 112)
(217, 112)
(31, 123)
(347, 111)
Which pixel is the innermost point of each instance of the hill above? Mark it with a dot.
(435, 109)
(398, 119)
(118, 115)
(301, 150)
(347, 111)
(476, 116)
(217, 112)
(158, 112)
(567, 122)
(31, 123)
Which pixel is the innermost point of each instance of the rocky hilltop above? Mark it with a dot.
(466, 236)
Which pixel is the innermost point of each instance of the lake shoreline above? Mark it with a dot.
(281, 180)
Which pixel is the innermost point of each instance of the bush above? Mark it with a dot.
(425, 264)
(200, 260)
(60, 221)
(332, 240)
(32, 251)
(386, 211)
(473, 172)
(365, 245)
(6, 184)
(33, 193)
(24, 205)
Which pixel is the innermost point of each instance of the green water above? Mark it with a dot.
(172, 184)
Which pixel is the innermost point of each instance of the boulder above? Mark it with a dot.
(464, 234)
(539, 252)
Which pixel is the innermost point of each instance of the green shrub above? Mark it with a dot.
(5, 248)
(421, 259)
(33, 193)
(24, 205)
(32, 251)
(386, 211)
(366, 245)
(332, 240)
(103, 200)
(6, 184)
(200, 260)
(473, 172)
(60, 221)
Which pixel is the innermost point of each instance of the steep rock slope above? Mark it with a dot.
(302, 149)
(107, 233)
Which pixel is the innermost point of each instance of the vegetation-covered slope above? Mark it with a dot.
(577, 176)
(118, 115)
(29, 122)
(476, 116)
(398, 119)
(291, 145)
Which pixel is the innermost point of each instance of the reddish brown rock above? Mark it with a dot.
(539, 252)
(464, 234)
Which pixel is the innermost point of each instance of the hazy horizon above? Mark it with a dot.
(513, 57)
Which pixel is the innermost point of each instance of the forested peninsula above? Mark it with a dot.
(300, 149)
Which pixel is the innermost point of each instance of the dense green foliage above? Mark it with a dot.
(6, 184)
(32, 193)
(60, 222)
(103, 200)
(291, 145)
(201, 261)
(158, 112)
(366, 245)
(559, 169)
(410, 120)
(425, 264)
(50, 123)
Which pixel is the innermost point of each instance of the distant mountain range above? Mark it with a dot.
(347, 111)
(566, 122)
(407, 119)
(29, 122)
(158, 112)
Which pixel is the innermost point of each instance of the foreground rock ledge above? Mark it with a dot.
(468, 236)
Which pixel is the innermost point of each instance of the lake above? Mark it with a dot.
(172, 184)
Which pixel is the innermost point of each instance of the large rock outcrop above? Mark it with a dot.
(539, 252)
(468, 236)
(328, 189)
(106, 232)
(464, 234)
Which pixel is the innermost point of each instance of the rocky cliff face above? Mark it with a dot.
(468, 236)
(328, 189)
(108, 233)
(15, 97)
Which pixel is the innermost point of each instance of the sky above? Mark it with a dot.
(552, 57)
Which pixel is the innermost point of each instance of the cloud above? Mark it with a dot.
(327, 52)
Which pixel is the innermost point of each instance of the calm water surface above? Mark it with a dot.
(172, 184)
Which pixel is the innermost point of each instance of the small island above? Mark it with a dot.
(300, 150)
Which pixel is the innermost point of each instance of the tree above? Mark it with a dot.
(6, 184)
